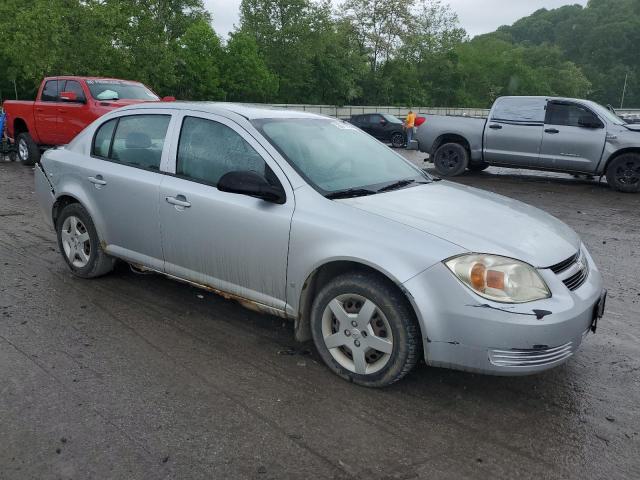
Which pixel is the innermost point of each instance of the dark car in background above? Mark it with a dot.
(383, 126)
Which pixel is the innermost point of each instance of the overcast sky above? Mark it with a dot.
(476, 16)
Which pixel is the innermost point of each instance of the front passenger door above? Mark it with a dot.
(574, 138)
(230, 242)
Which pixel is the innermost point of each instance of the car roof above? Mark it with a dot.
(250, 112)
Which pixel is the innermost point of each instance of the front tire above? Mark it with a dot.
(623, 173)
(27, 150)
(365, 330)
(79, 243)
(451, 159)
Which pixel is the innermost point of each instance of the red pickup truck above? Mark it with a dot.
(63, 108)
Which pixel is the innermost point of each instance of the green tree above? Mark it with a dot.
(246, 77)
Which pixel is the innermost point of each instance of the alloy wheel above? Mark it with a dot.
(628, 173)
(23, 150)
(76, 242)
(357, 334)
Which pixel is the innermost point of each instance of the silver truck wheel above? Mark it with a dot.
(451, 159)
(623, 173)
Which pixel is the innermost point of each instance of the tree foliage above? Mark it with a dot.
(402, 52)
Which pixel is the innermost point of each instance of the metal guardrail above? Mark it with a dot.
(349, 110)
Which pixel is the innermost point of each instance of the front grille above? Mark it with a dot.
(577, 279)
(562, 266)
(530, 358)
(573, 271)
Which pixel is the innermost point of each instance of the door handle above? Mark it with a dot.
(39, 109)
(495, 127)
(98, 181)
(178, 201)
(552, 130)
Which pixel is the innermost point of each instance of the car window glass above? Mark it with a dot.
(75, 87)
(139, 140)
(374, 119)
(568, 114)
(333, 155)
(519, 109)
(50, 91)
(102, 140)
(208, 149)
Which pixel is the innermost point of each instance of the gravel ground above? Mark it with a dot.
(136, 376)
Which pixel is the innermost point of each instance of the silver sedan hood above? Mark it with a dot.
(476, 220)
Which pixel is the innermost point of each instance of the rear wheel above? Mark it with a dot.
(364, 330)
(623, 173)
(79, 243)
(27, 150)
(397, 140)
(451, 159)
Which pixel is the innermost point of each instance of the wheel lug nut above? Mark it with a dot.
(356, 343)
(347, 333)
(364, 333)
(354, 323)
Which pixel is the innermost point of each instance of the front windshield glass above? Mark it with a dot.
(119, 90)
(606, 113)
(335, 156)
(392, 118)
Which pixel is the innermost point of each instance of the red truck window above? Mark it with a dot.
(75, 87)
(50, 91)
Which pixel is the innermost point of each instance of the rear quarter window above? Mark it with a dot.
(519, 110)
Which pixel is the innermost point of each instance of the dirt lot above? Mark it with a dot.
(136, 376)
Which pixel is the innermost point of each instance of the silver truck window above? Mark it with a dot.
(519, 110)
(569, 115)
(208, 149)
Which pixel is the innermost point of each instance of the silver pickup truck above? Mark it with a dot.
(539, 133)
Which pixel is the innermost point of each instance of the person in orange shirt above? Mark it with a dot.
(409, 123)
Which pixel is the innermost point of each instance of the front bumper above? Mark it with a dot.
(464, 331)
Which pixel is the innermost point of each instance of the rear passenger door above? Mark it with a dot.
(574, 138)
(513, 133)
(122, 177)
(234, 243)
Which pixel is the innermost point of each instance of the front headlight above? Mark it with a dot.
(499, 278)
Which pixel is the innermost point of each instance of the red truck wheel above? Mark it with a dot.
(27, 150)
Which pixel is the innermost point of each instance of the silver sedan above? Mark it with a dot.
(308, 218)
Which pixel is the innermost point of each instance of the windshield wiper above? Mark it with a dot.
(350, 193)
(399, 184)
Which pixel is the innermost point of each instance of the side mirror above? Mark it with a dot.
(251, 184)
(587, 121)
(70, 97)
(383, 122)
(168, 99)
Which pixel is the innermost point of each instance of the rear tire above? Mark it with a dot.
(397, 140)
(451, 159)
(623, 173)
(79, 243)
(27, 150)
(374, 339)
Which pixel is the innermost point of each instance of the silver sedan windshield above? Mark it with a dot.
(333, 155)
